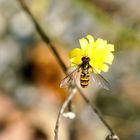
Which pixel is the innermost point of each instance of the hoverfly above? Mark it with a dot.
(86, 71)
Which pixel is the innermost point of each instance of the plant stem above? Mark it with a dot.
(96, 110)
(65, 104)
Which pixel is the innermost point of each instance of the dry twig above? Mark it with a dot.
(71, 93)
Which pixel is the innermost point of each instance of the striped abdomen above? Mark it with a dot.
(84, 78)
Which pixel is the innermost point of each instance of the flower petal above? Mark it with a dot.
(105, 68)
(75, 52)
(90, 44)
(76, 60)
(99, 44)
(109, 58)
(95, 65)
(90, 38)
(110, 47)
(98, 66)
(83, 43)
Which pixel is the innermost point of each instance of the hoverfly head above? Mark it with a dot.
(85, 59)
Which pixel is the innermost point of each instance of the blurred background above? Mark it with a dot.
(30, 97)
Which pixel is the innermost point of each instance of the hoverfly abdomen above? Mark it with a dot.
(84, 78)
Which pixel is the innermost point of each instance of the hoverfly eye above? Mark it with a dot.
(88, 59)
(83, 58)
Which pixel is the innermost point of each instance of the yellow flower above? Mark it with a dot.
(99, 52)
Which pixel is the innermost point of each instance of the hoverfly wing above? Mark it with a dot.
(100, 80)
(65, 82)
(69, 78)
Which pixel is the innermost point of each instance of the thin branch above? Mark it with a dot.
(47, 40)
(97, 111)
(65, 104)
